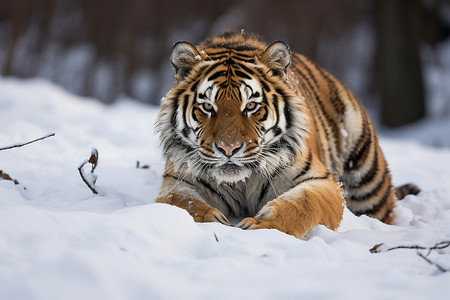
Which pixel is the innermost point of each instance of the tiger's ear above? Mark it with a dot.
(184, 57)
(277, 56)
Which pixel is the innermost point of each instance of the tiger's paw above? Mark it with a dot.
(268, 218)
(264, 219)
(211, 215)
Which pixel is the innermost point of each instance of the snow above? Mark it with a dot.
(60, 241)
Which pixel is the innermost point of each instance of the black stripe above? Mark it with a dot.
(277, 112)
(287, 111)
(251, 148)
(330, 122)
(377, 206)
(305, 168)
(219, 53)
(276, 130)
(230, 61)
(212, 67)
(304, 63)
(264, 86)
(315, 102)
(174, 119)
(370, 175)
(243, 54)
(266, 114)
(334, 96)
(217, 74)
(195, 85)
(357, 145)
(211, 57)
(175, 108)
(242, 74)
(373, 191)
(356, 158)
(203, 68)
(243, 58)
(248, 70)
(326, 176)
(185, 130)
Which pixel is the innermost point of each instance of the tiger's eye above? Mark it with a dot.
(250, 106)
(207, 106)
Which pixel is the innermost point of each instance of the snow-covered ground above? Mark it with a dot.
(60, 241)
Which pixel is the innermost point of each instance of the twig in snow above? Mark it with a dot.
(6, 176)
(437, 246)
(440, 268)
(217, 240)
(138, 166)
(91, 178)
(27, 143)
(375, 249)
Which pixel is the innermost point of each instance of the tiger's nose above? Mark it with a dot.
(229, 150)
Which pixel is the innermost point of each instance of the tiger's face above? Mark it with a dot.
(228, 126)
(231, 112)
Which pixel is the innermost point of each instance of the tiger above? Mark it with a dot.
(258, 133)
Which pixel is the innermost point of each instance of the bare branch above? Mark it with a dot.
(93, 159)
(440, 268)
(437, 246)
(27, 143)
(375, 249)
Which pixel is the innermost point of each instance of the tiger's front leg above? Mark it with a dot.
(183, 196)
(312, 202)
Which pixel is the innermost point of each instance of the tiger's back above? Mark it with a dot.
(257, 132)
(346, 140)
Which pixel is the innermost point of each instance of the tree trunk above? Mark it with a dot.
(398, 63)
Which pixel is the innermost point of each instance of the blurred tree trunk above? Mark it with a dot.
(397, 24)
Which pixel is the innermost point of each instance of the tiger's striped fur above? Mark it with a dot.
(257, 132)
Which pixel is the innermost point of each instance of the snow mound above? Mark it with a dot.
(60, 241)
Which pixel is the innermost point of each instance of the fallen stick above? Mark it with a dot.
(27, 143)
(437, 246)
(93, 160)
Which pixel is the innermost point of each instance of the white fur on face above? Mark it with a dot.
(251, 92)
(209, 89)
(230, 176)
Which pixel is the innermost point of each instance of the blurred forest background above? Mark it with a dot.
(394, 54)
